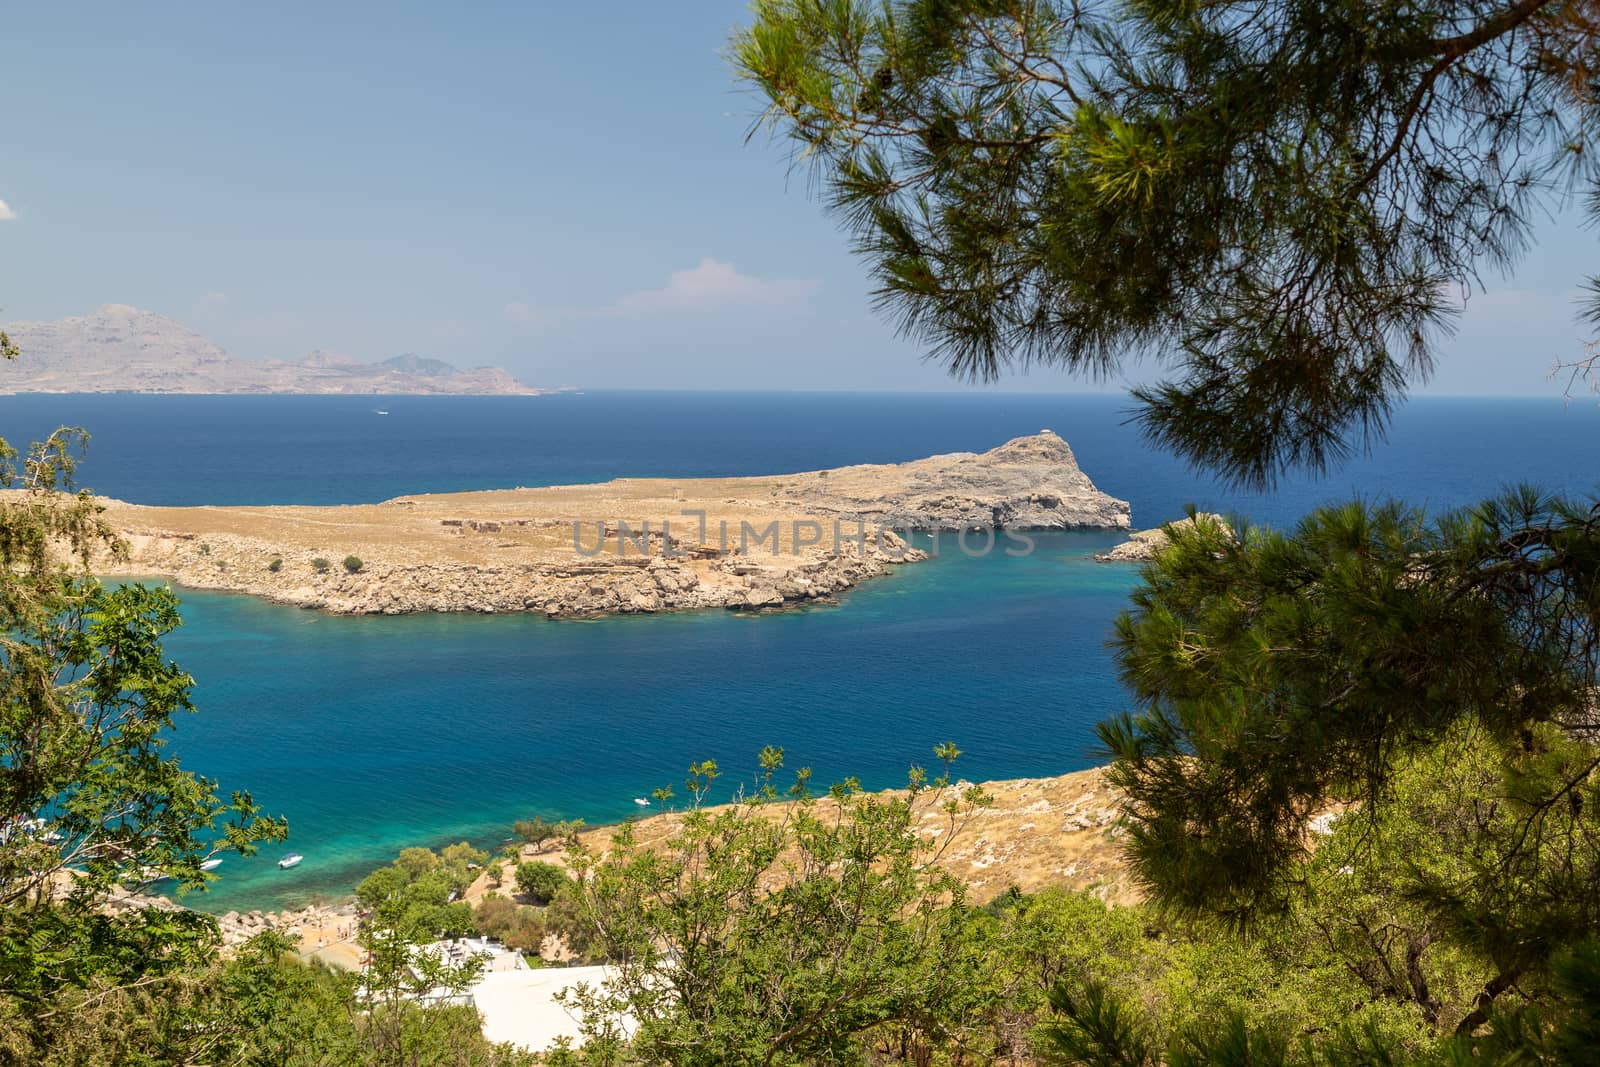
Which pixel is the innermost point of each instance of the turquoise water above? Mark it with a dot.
(371, 734)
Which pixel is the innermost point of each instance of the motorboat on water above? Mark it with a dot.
(291, 860)
(147, 876)
(211, 864)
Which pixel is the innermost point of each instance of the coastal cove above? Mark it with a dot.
(375, 733)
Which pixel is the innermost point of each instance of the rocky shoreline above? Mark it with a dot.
(1143, 546)
(1060, 830)
(630, 546)
(324, 930)
(605, 585)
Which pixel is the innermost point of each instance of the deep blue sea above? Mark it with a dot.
(371, 734)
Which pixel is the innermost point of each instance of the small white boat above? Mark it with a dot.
(379, 411)
(290, 860)
(211, 864)
(641, 801)
(147, 876)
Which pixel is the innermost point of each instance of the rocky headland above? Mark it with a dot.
(1143, 546)
(626, 546)
(123, 349)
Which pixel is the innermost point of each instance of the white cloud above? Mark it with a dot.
(710, 286)
(6, 214)
(714, 285)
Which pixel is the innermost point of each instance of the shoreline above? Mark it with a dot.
(1058, 830)
(627, 546)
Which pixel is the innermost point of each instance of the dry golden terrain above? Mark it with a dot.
(1037, 832)
(629, 545)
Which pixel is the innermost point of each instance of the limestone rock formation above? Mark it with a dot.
(1027, 483)
(1143, 546)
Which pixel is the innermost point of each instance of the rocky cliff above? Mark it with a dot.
(122, 349)
(1027, 483)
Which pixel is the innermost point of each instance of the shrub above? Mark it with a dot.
(205, 548)
(566, 918)
(567, 831)
(540, 882)
(275, 564)
(320, 565)
(352, 563)
(535, 831)
(513, 925)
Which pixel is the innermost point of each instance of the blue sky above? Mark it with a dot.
(559, 189)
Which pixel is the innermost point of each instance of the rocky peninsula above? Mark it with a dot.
(631, 545)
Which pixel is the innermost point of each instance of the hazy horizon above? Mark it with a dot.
(476, 188)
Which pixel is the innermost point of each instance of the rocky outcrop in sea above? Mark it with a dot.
(1144, 545)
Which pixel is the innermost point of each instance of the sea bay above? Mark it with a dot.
(375, 733)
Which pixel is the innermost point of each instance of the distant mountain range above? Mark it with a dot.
(122, 349)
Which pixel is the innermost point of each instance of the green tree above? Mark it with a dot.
(1281, 199)
(321, 565)
(536, 831)
(1432, 679)
(784, 933)
(352, 564)
(514, 925)
(1277, 198)
(420, 893)
(540, 882)
(89, 797)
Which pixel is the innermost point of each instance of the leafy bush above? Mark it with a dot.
(320, 565)
(567, 831)
(352, 564)
(514, 925)
(536, 831)
(275, 564)
(540, 882)
(830, 911)
(566, 918)
(423, 888)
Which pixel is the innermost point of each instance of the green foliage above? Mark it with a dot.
(513, 925)
(321, 565)
(1434, 679)
(568, 918)
(536, 831)
(352, 564)
(788, 935)
(275, 564)
(567, 831)
(1280, 198)
(287, 1013)
(89, 796)
(419, 893)
(540, 882)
